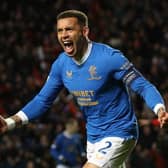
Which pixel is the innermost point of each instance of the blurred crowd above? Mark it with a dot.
(28, 46)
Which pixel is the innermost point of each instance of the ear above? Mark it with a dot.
(85, 31)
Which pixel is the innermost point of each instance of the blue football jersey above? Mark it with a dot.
(100, 86)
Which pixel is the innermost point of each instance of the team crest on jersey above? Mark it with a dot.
(93, 73)
(69, 74)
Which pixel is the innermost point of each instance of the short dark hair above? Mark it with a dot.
(82, 18)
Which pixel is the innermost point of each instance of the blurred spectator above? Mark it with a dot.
(67, 148)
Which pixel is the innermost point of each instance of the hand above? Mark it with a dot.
(3, 125)
(163, 118)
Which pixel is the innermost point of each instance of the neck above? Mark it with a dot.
(81, 52)
(68, 133)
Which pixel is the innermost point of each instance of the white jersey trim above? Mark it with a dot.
(23, 117)
(158, 106)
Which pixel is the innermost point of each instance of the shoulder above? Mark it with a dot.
(59, 62)
(108, 53)
(60, 136)
(60, 59)
(77, 138)
(106, 49)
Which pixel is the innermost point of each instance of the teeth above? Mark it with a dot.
(66, 42)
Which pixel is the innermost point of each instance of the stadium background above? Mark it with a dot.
(28, 46)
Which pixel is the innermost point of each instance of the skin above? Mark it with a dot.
(162, 117)
(70, 31)
(72, 128)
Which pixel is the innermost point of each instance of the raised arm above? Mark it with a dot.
(132, 78)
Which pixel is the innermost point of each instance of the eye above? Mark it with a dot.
(59, 30)
(69, 29)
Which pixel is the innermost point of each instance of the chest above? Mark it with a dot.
(88, 77)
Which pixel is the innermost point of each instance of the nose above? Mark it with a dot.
(65, 34)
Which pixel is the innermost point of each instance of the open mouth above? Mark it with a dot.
(68, 47)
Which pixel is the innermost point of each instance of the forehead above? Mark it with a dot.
(64, 22)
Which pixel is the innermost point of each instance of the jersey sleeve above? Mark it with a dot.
(43, 100)
(132, 78)
(149, 92)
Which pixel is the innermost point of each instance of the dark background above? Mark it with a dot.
(28, 46)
